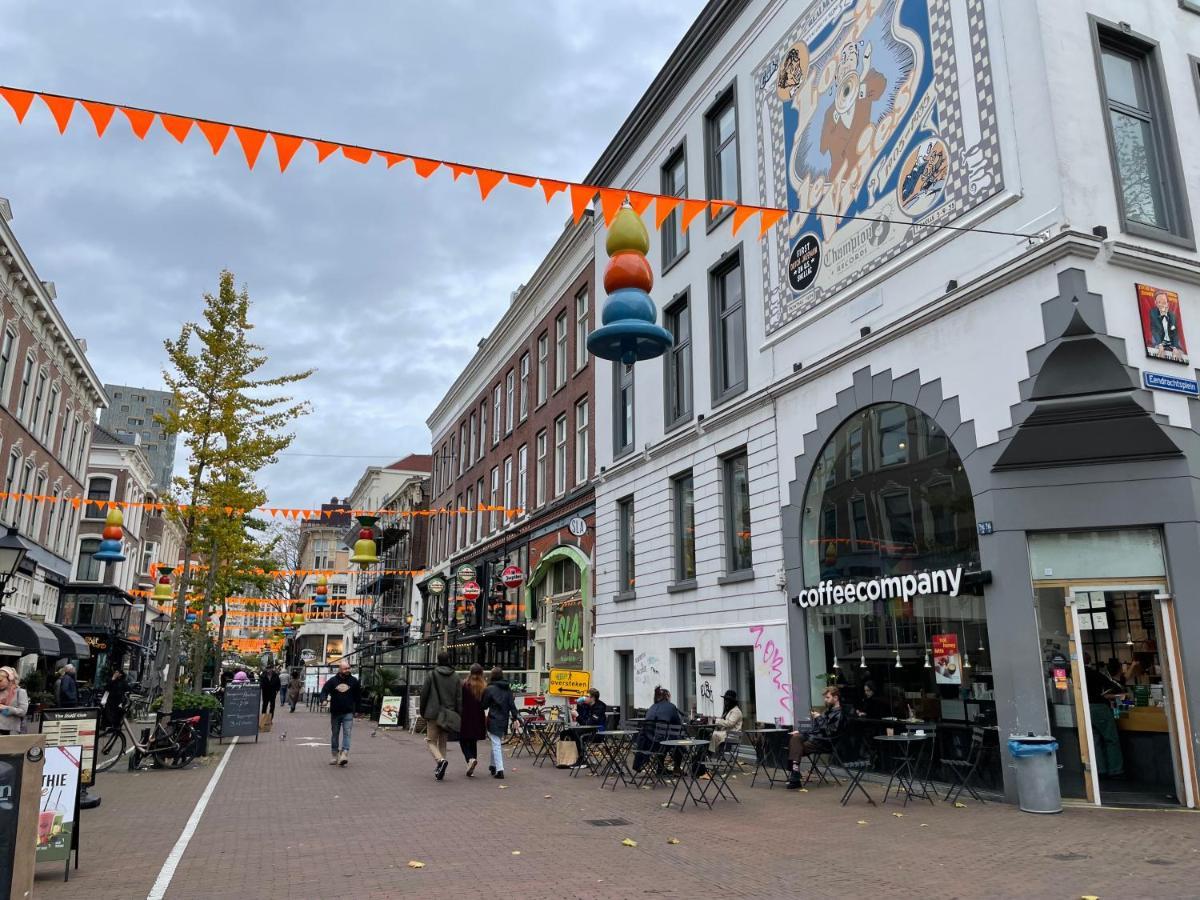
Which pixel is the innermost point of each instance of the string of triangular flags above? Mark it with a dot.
(156, 568)
(252, 141)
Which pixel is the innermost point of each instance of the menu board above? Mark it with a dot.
(242, 703)
(389, 713)
(947, 667)
(79, 726)
(10, 814)
(60, 800)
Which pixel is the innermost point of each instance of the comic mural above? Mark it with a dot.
(876, 120)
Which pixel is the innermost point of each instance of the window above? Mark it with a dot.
(720, 136)
(6, 351)
(623, 413)
(149, 551)
(893, 435)
(674, 184)
(52, 525)
(741, 679)
(62, 439)
(59, 536)
(100, 490)
(737, 512)
(322, 557)
(685, 680)
(625, 570)
(560, 351)
(479, 519)
(26, 507)
(543, 385)
(483, 431)
(1151, 194)
(728, 316)
(678, 361)
(684, 501)
(523, 477)
(508, 487)
(26, 381)
(469, 518)
(560, 456)
(539, 475)
(78, 447)
(470, 450)
(48, 424)
(581, 441)
(524, 386)
(581, 328)
(39, 398)
(510, 389)
(497, 415)
(10, 487)
(460, 524)
(494, 518)
(88, 568)
(39, 490)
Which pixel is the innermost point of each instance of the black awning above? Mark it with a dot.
(69, 643)
(30, 636)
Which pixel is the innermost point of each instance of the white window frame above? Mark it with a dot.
(561, 367)
(497, 415)
(7, 347)
(524, 404)
(26, 383)
(543, 381)
(582, 424)
(494, 518)
(539, 474)
(582, 314)
(523, 478)
(508, 487)
(510, 401)
(560, 455)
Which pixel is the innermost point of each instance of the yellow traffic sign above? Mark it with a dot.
(569, 683)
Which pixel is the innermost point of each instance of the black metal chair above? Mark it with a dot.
(721, 765)
(770, 756)
(965, 770)
(853, 756)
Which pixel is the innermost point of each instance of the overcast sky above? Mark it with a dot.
(381, 280)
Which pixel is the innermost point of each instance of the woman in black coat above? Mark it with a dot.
(500, 706)
(473, 728)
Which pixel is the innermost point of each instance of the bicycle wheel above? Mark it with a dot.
(110, 748)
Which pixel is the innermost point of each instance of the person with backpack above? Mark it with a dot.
(441, 708)
(499, 704)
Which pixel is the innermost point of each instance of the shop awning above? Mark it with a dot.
(69, 643)
(30, 636)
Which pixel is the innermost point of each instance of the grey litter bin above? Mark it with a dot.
(1035, 760)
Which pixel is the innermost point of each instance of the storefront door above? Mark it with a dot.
(1112, 694)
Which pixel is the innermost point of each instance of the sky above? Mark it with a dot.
(382, 281)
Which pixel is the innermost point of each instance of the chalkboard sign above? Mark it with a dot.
(242, 703)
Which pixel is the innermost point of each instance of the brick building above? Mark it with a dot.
(515, 431)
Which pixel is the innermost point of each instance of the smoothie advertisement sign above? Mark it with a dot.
(877, 109)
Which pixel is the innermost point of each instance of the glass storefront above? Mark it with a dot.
(888, 501)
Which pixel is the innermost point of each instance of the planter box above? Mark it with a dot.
(200, 744)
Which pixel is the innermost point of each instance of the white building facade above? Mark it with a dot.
(961, 356)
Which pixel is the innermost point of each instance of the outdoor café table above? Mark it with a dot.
(635, 724)
(904, 773)
(615, 747)
(589, 753)
(546, 734)
(693, 749)
(770, 752)
(700, 729)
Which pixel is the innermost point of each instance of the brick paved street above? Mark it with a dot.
(282, 823)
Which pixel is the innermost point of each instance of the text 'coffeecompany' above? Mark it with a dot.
(904, 587)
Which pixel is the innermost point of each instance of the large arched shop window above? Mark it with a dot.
(889, 497)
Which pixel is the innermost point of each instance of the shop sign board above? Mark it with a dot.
(436, 585)
(1156, 382)
(465, 573)
(577, 526)
(885, 587)
(512, 577)
(569, 682)
(947, 665)
(59, 803)
(307, 655)
(470, 590)
(389, 713)
(77, 726)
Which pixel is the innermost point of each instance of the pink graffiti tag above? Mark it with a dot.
(773, 659)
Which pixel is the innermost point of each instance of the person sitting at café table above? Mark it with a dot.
(662, 711)
(590, 710)
(874, 705)
(730, 720)
(825, 729)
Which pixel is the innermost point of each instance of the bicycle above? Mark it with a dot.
(171, 745)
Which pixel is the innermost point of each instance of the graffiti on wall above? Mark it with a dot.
(873, 125)
(772, 689)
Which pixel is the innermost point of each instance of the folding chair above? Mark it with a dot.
(965, 770)
(524, 736)
(851, 754)
(591, 754)
(720, 767)
(770, 757)
(649, 754)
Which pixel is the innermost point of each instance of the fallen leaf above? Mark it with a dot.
(504, 787)
(629, 843)
(862, 821)
(958, 805)
(898, 815)
(547, 796)
(413, 864)
(516, 853)
(923, 825)
(1089, 897)
(672, 840)
(664, 805)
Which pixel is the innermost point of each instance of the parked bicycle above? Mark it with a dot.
(172, 744)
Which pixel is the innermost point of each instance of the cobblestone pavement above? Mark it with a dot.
(283, 823)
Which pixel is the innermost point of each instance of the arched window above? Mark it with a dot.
(88, 568)
(99, 488)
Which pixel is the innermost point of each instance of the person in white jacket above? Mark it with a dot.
(731, 720)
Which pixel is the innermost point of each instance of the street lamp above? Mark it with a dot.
(13, 548)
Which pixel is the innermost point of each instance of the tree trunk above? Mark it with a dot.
(177, 622)
(221, 628)
(200, 650)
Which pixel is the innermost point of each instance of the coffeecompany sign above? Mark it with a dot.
(887, 587)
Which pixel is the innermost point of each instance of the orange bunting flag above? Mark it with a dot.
(215, 133)
(487, 180)
(61, 108)
(640, 202)
(251, 140)
(356, 154)
(324, 149)
(610, 203)
(456, 169)
(525, 181)
(769, 218)
(550, 188)
(20, 101)
(176, 126)
(741, 214)
(285, 148)
(393, 158)
(581, 196)
(663, 207)
(101, 114)
(425, 167)
(691, 209)
(139, 120)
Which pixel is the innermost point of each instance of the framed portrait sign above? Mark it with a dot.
(1162, 324)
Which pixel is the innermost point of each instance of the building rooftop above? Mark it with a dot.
(414, 462)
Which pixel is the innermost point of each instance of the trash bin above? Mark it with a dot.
(1035, 760)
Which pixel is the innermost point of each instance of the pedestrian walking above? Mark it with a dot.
(343, 691)
(441, 708)
(285, 679)
(114, 699)
(474, 725)
(295, 686)
(499, 704)
(269, 680)
(66, 691)
(14, 702)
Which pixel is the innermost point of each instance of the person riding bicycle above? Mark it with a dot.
(114, 699)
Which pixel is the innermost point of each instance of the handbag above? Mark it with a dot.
(447, 719)
(566, 754)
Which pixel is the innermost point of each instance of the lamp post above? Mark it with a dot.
(118, 615)
(13, 548)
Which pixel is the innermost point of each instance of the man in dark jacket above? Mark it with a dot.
(660, 714)
(826, 729)
(441, 691)
(67, 691)
(270, 689)
(592, 710)
(501, 708)
(114, 699)
(343, 691)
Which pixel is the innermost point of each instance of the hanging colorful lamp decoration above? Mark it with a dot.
(321, 598)
(162, 589)
(288, 632)
(630, 331)
(110, 544)
(365, 553)
(298, 619)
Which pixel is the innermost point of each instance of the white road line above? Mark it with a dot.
(167, 872)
